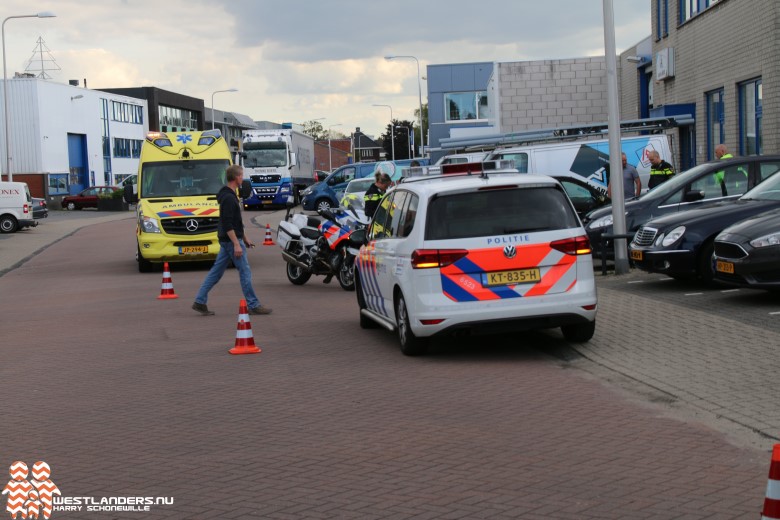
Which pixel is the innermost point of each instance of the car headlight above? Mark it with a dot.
(673, 236)
(150, 225)
(601, 222)
(766, 241)
(306, 191)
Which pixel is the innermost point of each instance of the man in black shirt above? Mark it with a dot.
(232, 247)
(375, 192)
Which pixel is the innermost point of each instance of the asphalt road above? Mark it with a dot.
(669, 412)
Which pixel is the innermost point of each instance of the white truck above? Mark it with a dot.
(16, 211)
(278, 163)
(586, 159)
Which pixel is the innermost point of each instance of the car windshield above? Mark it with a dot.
(676, 182)
(182, 178)
(768, 189)
(499, 212)
(265, 155)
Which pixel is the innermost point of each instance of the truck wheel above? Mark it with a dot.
(8, 224)
(144, 266)
(411, 345)
(323, 204)
(579, 333)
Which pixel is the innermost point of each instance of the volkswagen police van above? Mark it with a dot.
(477, 248)
(179, 175)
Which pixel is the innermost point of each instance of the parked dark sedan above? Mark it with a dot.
(88, 198)
(40, 210)
(694, 188)
(681, 245)
(747, 254)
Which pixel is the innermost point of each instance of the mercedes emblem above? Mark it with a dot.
(192, 226)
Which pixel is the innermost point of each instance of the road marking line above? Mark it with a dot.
(694, 294)
(729, 290)
(637, 281)
(774, 313)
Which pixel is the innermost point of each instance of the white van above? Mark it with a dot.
(458, 158)
(587, 159)
(15, 207)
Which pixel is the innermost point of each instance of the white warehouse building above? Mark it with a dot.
(65, 138)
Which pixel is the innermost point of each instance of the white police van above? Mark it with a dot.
(479, 248)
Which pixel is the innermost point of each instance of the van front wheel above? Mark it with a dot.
(8, 224)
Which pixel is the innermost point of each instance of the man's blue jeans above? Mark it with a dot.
(225, 255)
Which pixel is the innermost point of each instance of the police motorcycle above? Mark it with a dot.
(313, 246)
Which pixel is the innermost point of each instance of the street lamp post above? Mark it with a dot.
(330, 149)
(42, 14)
(392, 130)
(419, 96)
(212, 102)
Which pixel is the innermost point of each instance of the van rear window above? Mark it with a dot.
(498, 212)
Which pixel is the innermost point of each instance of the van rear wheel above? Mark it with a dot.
(8, 224)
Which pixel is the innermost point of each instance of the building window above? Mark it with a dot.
(106, 140)
(661, 19)
(127, 113)
(180, 119)
(127, 147)
(466, 106)
(750, 112)
(690, 8)
(58, 184)
(716, 116)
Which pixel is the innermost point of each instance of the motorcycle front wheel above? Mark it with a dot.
(347, 274)
(297, 275)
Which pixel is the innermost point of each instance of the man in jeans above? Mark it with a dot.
(232, 246)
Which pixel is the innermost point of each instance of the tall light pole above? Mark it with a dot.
(330, 149)
(392, 129)
(212, 102)
(42, 14)
(419, 95)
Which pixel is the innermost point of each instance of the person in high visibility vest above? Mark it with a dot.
(660, 170)
(722, 153)
(375, 192)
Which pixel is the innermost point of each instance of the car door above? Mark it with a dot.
(372, 262)
(387, 248)
(88, 198)
(338, 182)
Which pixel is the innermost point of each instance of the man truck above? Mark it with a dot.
(279, 164)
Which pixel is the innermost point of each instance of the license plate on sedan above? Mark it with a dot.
(512, 277)
(724, 267)
(636, 255)
(193, 250)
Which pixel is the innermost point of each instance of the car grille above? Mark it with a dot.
(645, 236)
(178, 226)
(729, 250)
(261, 179)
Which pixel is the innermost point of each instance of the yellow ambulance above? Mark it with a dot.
(179, 175)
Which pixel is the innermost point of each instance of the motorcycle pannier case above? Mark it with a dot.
(285, 233)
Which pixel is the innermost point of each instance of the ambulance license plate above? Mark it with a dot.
(512, 277)
(724, 267)
(636, 255)
(193, 250)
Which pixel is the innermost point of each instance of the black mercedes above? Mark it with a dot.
(747, 254)
(681, 244)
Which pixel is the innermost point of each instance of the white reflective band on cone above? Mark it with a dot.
(243, 334)
(773, 490)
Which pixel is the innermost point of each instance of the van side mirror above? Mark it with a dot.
(246, 189)
(129, 195)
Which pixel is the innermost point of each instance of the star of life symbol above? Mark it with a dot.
(184, 138)
(30, 498)
(510, 251)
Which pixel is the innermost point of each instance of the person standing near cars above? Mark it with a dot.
(232, 247)
(660, 170)
(632, 185)
(375, 192)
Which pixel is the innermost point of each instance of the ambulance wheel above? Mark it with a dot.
(579, 333)
(144, 266)
(297, 275)
(365, 321)
(322, 204)
(8, 224)
(411, 345)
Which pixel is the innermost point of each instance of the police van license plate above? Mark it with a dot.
(193, 250)
(511, 277)
(724, 267)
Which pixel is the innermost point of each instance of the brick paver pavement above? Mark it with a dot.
(126, 395)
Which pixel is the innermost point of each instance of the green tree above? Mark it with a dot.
(400, 137)
(314, 129)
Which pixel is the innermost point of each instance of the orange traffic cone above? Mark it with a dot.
(268, 241)
(166, 292)
(245, 343)
(772, 503)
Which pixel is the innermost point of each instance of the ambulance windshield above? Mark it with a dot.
(182, 178)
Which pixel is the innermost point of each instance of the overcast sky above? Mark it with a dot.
(305, 59)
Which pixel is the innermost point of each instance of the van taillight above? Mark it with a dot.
(430, 258)
(26, 208)
(573, 246)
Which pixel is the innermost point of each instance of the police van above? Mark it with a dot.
(477, 248)
(16, 211)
